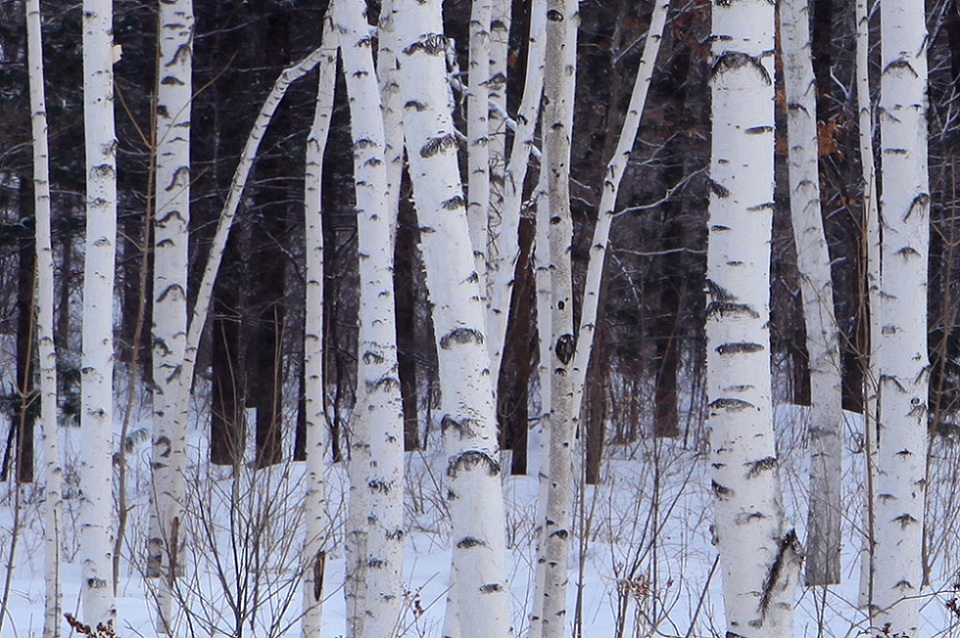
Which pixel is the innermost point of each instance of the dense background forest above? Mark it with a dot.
(646, 386)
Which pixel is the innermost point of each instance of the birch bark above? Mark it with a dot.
(608, 202)
(478, 135)
(317, 525)
(96, 421)
(816, 287)
(377, 444)
(171, 259)
(560, 73)
(902, 352)
(871, 225)
(759, 557)
(479, 570)
(53, 499)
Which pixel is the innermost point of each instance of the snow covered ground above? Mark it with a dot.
(642, 565)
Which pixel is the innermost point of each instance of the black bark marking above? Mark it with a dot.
(739, 348)
(720, 491)
(464, 428)
(565, 348)
(758, 130)
(762, 465)
(733, 60)
(719, 189)
(431, 44)
(438, 145)
(789, 549)
(491, 588)
(730, 405)
(905, 520)
(554, 16)
(723, 308)
(453, 203)
(460, 336)
(901, 64)
(319, 564)
(469, 542)
(470, 460)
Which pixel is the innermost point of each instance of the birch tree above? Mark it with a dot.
(53, 498)
(316, 517)
(616, 168)
(816, 287)
(171, 259)
(759, 556)
(478, 134)
(377, 438)
(479, 572)
(96, 421)
(560, 74)
(871, 226)
(902, 352)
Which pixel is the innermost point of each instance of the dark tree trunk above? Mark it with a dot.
(404, 283)
(227, 423)
(514, 382)
(595, 417)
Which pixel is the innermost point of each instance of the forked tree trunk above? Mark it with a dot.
(479, 571)
(816, 287)
(376, 462)
(96, 421)
(902, 350)
(171, 263)
(53, 500)
(759, 556)
(316, 518)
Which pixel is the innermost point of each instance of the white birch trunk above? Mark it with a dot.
(871, 224)
(759, 558)
(377, 442)
(317, 524)
(816, 287)
(608, 202)
(171, 260)
(504, 246)
(479, 570)
(498, 65)
(392, 111)
(478, 135)
(205, 291)
(560, 74)
(53, 499)
(903, 343)
(96, 462)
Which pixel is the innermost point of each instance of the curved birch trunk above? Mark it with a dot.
(205, 291)
(608, 202)
(171, 261)
(96, 421)
(53, 499)
(376, 463)
(902, 351)
(759, 557)
(479, 571)
(871, 238)
(560, 73)
(317, 524)
(816, 287)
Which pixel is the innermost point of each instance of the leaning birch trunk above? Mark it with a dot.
(53, 499)
(317, 524)
(498, 69)
(479, 570)
(608, 202)
(560, 73)
(96, 421)
(504, 246)
(171, 260)
(227, 215)
(378, 426)
(871, 238)
(816, 287)
(759, 557)
(902, 351)
(478, 135)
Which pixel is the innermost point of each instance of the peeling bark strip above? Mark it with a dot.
(902, 350)
(759, 577)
